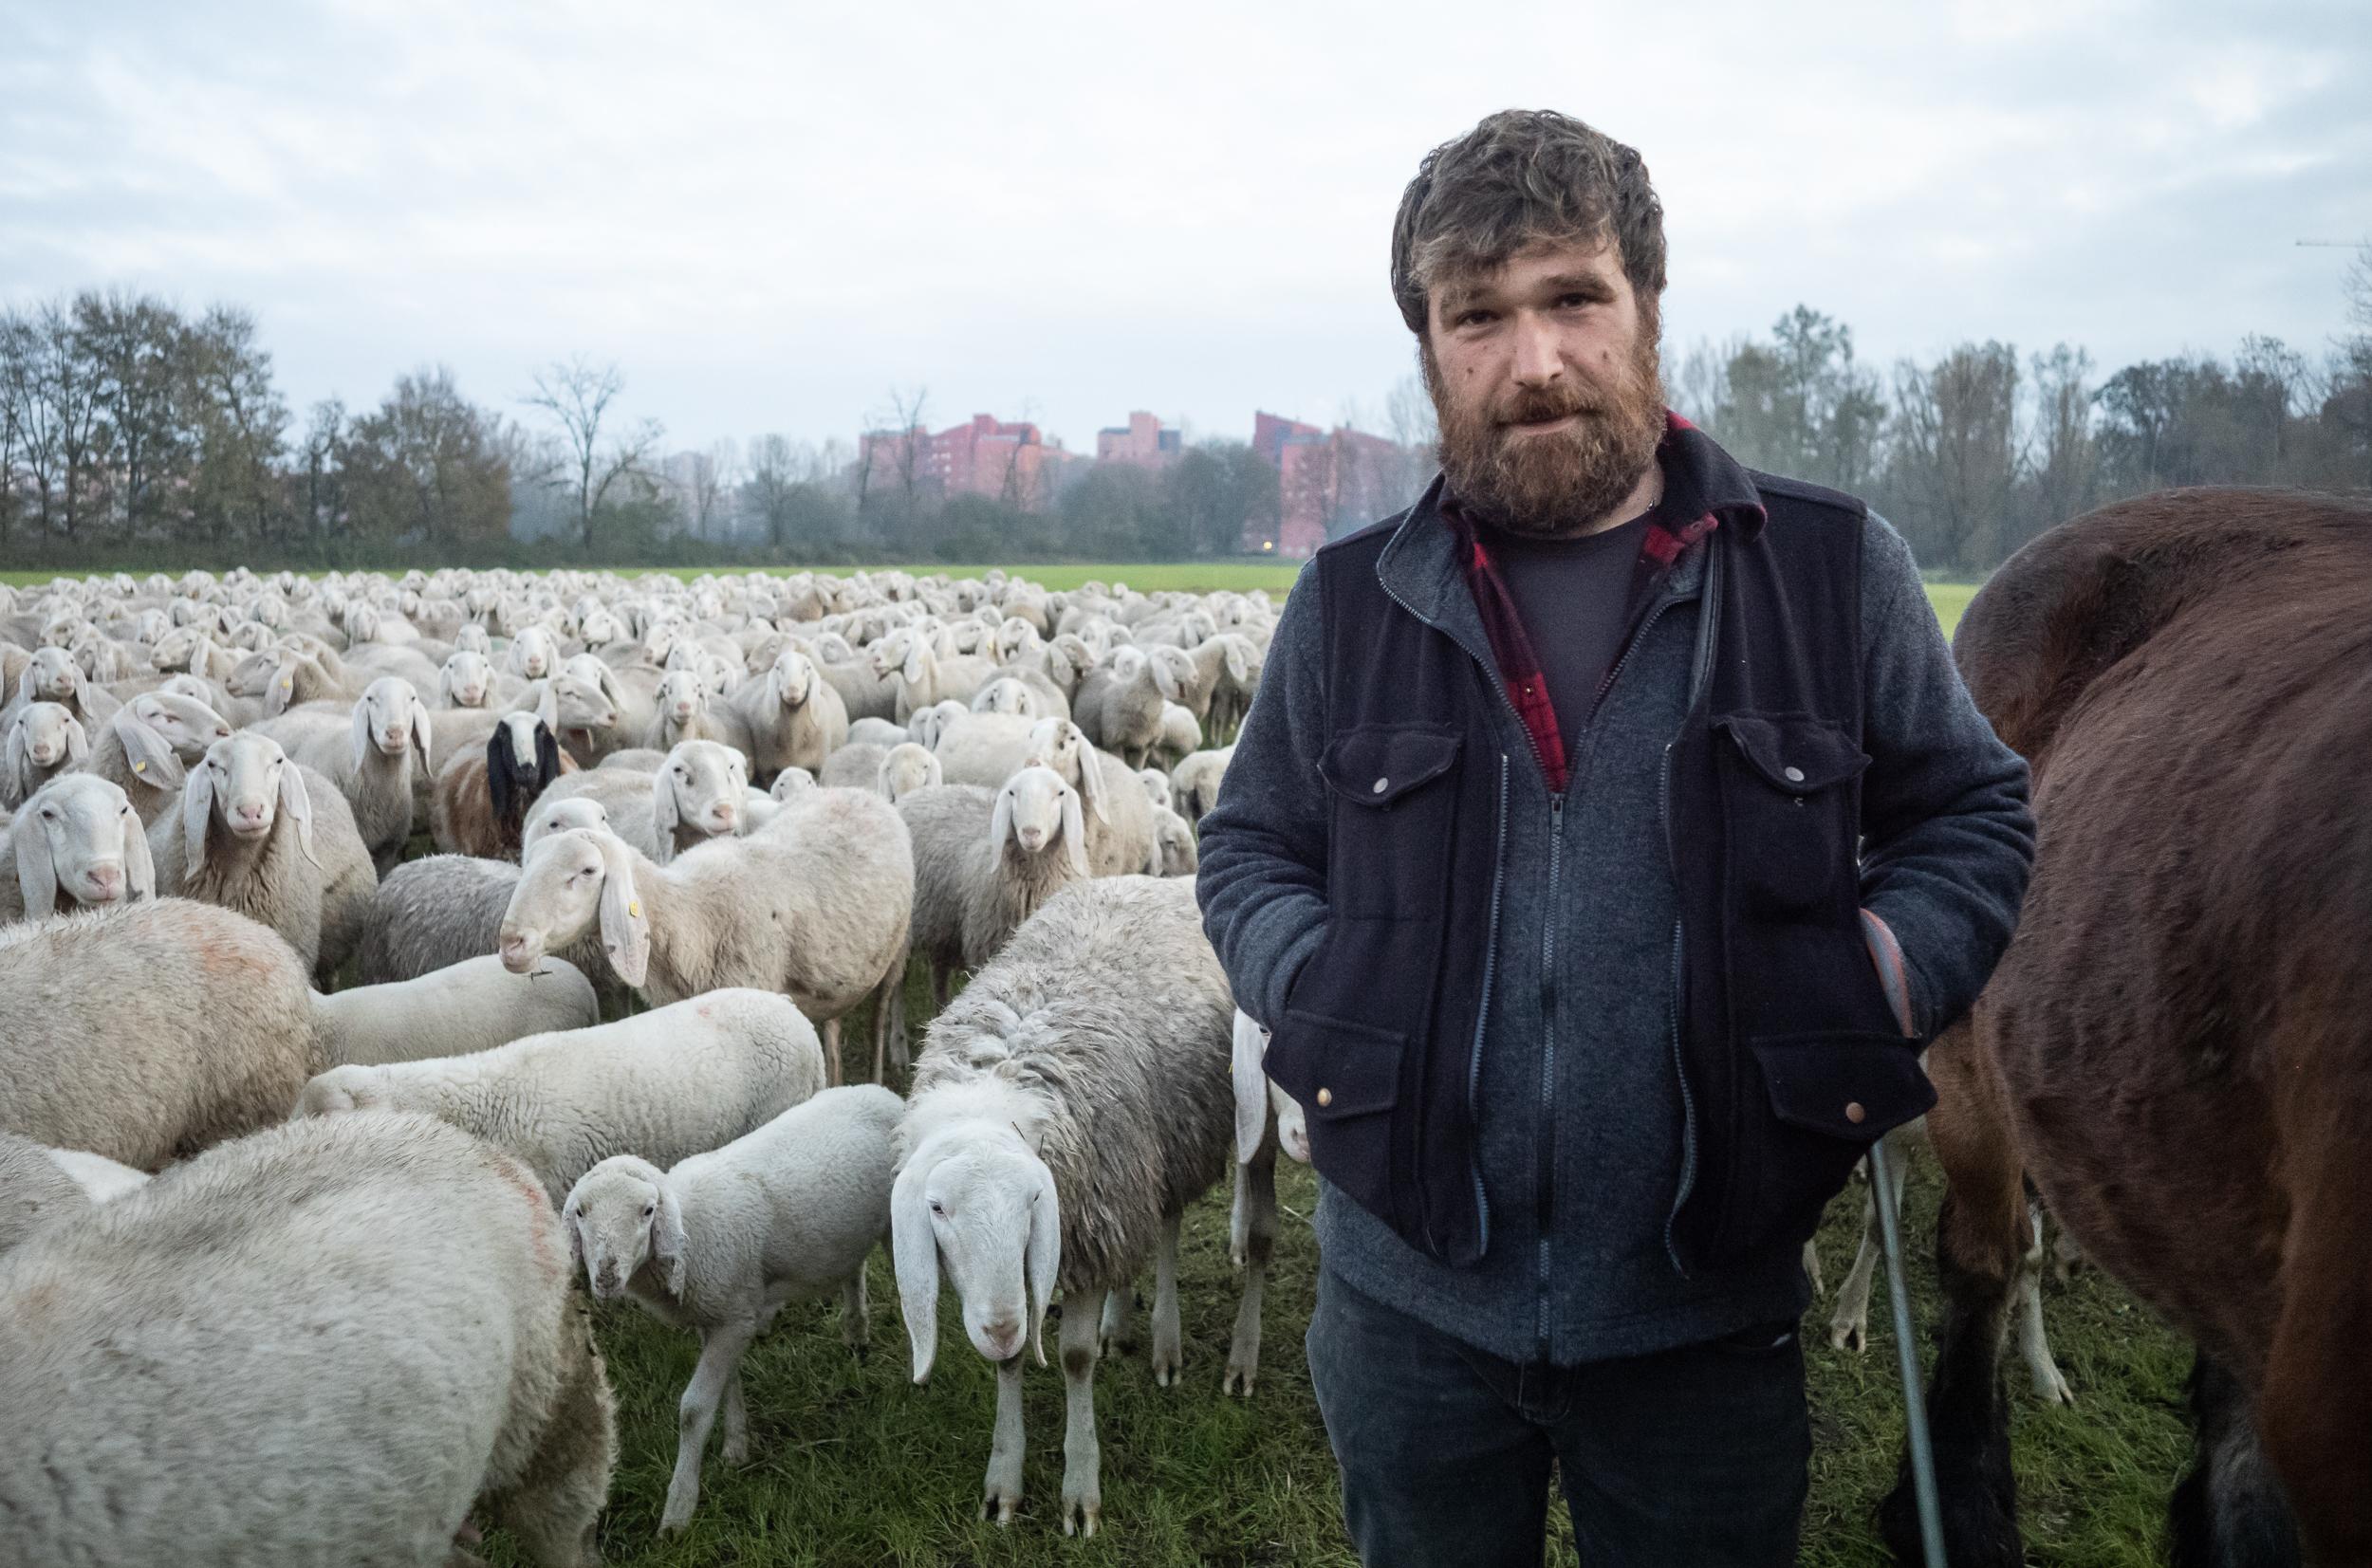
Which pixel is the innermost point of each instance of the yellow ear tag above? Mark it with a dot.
(634, 908)
(139, 768)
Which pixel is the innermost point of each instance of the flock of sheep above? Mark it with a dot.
(308, 1143)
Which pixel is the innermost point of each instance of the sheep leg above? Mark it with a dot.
(736, 1448)
(1082, 1461)
(1252, 1237)
(1811, 1264)
(720, 1361)
(854, 1330)
(940, 977)
(831, 1052)
(1849, 1326)
(1118, 1333)
(2049, 1385)
(1003, 1491)
(1168, 1344)
(557, 1500)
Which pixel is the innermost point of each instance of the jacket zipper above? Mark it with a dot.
(1482, 1014)
(1708, 630)
(1545, 1122)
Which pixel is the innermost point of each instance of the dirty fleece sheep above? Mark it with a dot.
(814, 906)
(369, 755)
(721, 1241)
(481, 798)
(146, 1031)
(672, 1082)
(1067, 1108)
(795, 717)
(262, 835)
(76, 844)
(382, 1304)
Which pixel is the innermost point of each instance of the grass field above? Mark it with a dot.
(851, 1464)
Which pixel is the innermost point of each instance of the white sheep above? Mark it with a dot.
(795, 717)
(75, 844)
(1196, 782)
(381, 1304)
(1067, 1106)
(146, 747)
(1121, 835)
(44, 739)
(672, 1082)
(879, 733)
(473, 1005)
(370, 754)
(815, 905)
(261, 834)
(721, 1241)
(922, 676)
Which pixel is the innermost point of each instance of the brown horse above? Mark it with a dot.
(2177, 1045)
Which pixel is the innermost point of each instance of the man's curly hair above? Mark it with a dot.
(1521, 177)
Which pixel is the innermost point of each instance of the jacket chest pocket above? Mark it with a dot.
(1791, 803)
(1396, 790)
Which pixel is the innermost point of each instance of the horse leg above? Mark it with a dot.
(2228, 1511)
(1980, 1244)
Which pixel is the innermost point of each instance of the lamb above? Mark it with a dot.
(1067, 1106)
(674, 1081)
(472, 1005)
(1121, 835)
(815, 905)
(722, 1241)
(76, 844)
(44, 739)
(1196, 780)
(145, 748)
(384, 1305)
(1181, 734)
(905, 769)
(369, 755)
(1175, 852)
(795, 717)
(480, 801)
(264, 836)
(146, 1031)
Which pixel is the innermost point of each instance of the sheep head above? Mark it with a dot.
(619, 1216)
(78, 834)
(245, 781)
(571, 879)
(1036, 809)
(976, 1199)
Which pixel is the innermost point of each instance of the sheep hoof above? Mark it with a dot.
(2051, 1387)
(997, 1507)
(1165, 1373)
(1238, 1379)
(1848, 1337)
(736, 1451)
(1080, 1517)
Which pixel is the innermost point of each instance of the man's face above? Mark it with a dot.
(1546, 380)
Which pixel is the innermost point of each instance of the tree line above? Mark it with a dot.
(133, 433)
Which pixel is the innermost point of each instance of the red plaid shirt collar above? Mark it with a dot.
(1661, 545)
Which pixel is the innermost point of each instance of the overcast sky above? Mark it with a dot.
(770, 215)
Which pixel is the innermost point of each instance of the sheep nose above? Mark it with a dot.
(1003, 1335)
(251, 814)
(105, 880)
(222, 732)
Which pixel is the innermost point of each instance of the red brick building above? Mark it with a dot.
(1327, 480)
(1007, 460)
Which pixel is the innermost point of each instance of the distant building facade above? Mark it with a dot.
(1144, 441)
(1326, 481)
(1005, 460)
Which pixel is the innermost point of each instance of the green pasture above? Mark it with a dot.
(853, 1464)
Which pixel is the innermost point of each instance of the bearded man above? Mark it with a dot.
(1611, 831)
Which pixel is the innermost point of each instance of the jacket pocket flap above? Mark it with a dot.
(1794, 752)
(1336, 1068)
(1376, 765)
(1847, 1084)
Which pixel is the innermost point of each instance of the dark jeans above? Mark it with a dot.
(1695, 1456)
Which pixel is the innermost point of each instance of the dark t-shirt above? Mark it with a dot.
(1572, 594)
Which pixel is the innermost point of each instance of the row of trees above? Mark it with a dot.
(132, 432)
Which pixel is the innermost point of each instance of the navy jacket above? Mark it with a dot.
(1590, 1062)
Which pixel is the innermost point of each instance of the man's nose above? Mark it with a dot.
(1538, 363)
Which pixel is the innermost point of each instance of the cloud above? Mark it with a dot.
(770, 216)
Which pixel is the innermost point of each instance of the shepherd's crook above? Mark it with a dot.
(1907, 1350)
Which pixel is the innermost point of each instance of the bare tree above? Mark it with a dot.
(908, 409)
(578, 396)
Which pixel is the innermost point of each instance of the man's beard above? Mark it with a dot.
(1550, 484)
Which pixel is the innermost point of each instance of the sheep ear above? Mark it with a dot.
(36, 873)
(1238, 667)
(547, 707)
(197, 810)
(421, 734)
(572, 1221)
(77, 741)
(139, 864)
(607, 680)
(667, 1239)
(625, 929)
(1074, 833)
(933, 773)
(25, 686)
(1044, 1258)
(20, 766)
(151, 754)
(1001, 820)
(1091, 780)
(664, 817)
(499, 787)
(1251, 1079)
(297, 800)
(915, 1256)
(916, 651)
(362, 733)
(444, 684)
(547, 757)
(1164, 679)
(283, 684)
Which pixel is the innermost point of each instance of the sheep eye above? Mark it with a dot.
(648, 1209)
(938, 1208)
